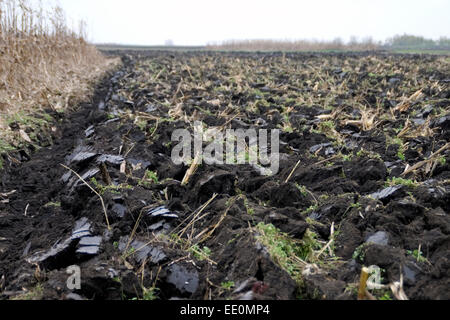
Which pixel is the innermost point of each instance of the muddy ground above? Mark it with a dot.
(363, 181)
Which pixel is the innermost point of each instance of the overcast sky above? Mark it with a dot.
(197, 22)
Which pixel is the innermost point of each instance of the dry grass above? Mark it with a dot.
(367, 121)
(43, 64)
(407, 102)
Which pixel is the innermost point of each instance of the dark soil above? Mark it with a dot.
(161, 238)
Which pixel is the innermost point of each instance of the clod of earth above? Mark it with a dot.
(161, 212)
(64, 253)
(386, 194)
(380, 237)
(184, 280)
(142, 251)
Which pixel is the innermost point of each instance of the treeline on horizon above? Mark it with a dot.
(411, 41)
(396, 42)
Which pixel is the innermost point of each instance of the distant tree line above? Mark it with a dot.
(354, 44)
(294, 45)
(417, 42)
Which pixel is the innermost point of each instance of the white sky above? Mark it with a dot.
(197, 22)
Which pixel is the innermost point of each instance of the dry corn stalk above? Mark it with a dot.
(177, 111)
(332, 115)
(405, 129)
(407, 102)
(192, 169)
(328, 245)
(197, 216)
(93, 190)
(292, 172)
(397, 289)
(423, 130)
(363, 283)
(431, 158)
(211, 230)
(367, 121)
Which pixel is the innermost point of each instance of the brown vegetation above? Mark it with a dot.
(43, 64)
